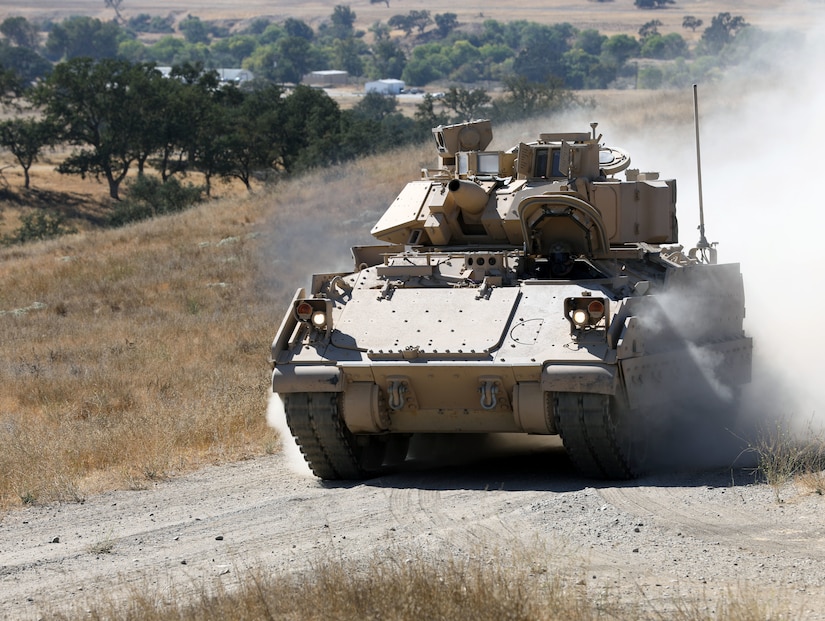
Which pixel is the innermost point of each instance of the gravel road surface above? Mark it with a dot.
(652, 539)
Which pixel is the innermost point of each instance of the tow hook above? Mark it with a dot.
(489, 389)
(396, 390)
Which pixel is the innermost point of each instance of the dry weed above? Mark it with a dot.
(813, 481)
(404, 585)
(786, 456)
(142, 350)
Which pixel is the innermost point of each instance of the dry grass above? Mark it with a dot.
(400, 585)
(786, 456)
(133, 354)
(127, 356)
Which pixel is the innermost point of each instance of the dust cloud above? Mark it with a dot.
(760, 137)
(762, 204)
(276, 418)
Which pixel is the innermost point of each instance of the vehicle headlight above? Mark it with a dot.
(595, 310)
(317, 312)
(586, 312)
(303, 311)
(319, 319)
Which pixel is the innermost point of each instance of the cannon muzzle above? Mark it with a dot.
(468, 196)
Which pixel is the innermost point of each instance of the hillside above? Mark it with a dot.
(132, 354)
(613, 17)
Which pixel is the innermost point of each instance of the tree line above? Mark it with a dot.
(118, 116)
(93, 86)
(417, 47)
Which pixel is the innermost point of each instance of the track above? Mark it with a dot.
(319, 431)
(585, 424)
(332, 452)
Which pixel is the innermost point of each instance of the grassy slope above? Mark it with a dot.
(128, 355)
(147, 355)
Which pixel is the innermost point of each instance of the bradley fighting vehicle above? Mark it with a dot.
(529, 291)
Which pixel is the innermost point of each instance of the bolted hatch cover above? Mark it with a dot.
(431, 322)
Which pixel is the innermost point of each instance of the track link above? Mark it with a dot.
(589, 434)
(330, 449)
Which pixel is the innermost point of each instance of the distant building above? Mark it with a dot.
(327, 77)
(385, 87)
(234, 76)
(225, 76)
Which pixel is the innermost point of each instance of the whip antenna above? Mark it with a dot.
(703, 244)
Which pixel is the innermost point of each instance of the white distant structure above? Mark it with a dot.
(226, 76)
(385, 87)
(326, 77)
(234, 76)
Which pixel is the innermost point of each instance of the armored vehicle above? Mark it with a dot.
(528, 291)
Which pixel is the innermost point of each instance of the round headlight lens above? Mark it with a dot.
(319, 319)
(580, 317)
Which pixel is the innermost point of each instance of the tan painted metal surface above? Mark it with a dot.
(524, 290)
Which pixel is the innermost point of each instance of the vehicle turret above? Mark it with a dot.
(560, 190)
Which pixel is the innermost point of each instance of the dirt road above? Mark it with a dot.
(651, 539)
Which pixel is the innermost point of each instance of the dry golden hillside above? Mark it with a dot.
(616, 16)
(128, 355)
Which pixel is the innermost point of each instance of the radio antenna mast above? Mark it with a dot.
(703, 244)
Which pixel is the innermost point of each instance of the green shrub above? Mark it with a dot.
(147, 197)
(650, 77)
(38, 225)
